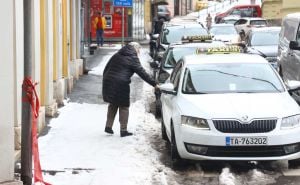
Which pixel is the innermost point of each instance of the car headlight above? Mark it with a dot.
(195, 122)
(290, 122)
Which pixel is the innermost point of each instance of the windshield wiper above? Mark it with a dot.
(187, 92)
(241, 76)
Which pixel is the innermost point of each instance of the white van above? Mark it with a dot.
(289, 49)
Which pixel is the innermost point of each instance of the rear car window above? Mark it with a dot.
(173, 35)
(258, 22)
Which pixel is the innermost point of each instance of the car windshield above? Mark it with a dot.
(230, 78)
(258, 22)
(265, 38)
(223, 30)
(174, 34)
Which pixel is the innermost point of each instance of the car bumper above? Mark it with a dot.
(214, 143)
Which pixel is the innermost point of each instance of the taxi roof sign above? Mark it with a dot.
(219, 50)
(195, 38)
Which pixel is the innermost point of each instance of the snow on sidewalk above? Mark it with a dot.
(77, 151)
(77, 140)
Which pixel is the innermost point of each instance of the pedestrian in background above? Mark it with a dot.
(116, 89)
(208, 21)
(100, 24)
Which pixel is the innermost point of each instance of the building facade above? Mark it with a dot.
(56, 65)
(275, 10)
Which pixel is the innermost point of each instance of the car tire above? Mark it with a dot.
(157, 104)
(176, 160)
(157, 109)
(163, 130)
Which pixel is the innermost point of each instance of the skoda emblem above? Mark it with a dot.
(245, 118)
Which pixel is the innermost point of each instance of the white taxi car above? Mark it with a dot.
(229, 107)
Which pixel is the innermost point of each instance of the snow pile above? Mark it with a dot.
(226, 177)
(78, 148)
(98, 71)
(258, 177)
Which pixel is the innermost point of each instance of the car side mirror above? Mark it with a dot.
(163, 76)
(154, 64)
(167, 88)
(160, 55)
(294, 45)
(292, 86)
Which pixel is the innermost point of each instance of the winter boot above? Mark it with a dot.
(125, 133)
(108, 130)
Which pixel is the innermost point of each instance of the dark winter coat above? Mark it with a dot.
(117, 74)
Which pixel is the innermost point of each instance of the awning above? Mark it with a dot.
(160, 2)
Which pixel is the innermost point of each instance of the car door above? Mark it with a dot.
(294, 57)
(169, 100)
(287, 56)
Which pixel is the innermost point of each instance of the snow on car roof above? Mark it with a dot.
(223, 25)
(266, 29)
(253, 18)
(223, 58)
(194, 44)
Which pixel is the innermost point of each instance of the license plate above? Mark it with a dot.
(246, 141)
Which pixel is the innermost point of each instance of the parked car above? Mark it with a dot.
(163, 12)
(224, 32)
(229, 107)
(172, 33)
(242, 11)
(172, 55)
(246, 24)
(264, 42)
(289, 49)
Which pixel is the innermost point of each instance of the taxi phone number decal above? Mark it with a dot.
(228, 49)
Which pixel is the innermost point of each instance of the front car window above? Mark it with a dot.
(265, 38)
(174, 34)
(246, 12)
(231, 78)
(176, 69)
(236, 12)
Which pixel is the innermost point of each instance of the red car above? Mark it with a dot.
(242, 11)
